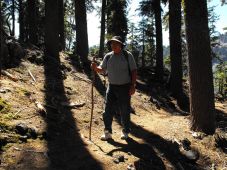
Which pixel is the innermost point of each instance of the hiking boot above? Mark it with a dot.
(124, 135)
(107, 135)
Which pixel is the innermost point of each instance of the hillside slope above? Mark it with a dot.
(45, 119)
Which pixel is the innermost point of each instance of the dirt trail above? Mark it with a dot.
(63, 129)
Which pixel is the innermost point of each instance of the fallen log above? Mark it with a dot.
(7, 74)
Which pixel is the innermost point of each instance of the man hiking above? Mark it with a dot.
(121, 71)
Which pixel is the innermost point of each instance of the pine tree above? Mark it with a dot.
(61, 24)
(21, 22)
(154, 7)
(13, 17)
(116, 18)
(103, 28)
(0, 38)
(200, 68)
(175, 49)
(81, 30)
(32, 21)
(51, 33)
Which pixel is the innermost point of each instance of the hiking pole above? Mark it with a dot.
(92, 98)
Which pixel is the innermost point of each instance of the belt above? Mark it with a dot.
(120, 85)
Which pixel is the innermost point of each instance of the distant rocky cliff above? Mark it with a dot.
(221, 49)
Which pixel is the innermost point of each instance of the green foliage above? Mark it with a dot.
(70, 25)
(142, 41)
(94, 51)
(220, 77)
(90, 5)
(5, 126)
(225, 29)
(167, 61)
(148, 8)
(116, 18)
(212, 18)
(4, 106)
(6, 16)
(133, 41)
(10, 116)
(223, 2)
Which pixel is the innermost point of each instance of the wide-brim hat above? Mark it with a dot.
(117, 39)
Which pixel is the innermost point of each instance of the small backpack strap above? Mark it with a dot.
(107, 59)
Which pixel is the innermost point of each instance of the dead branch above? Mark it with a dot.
(19, 111)
(73, 104)
(6, 73)
(27, 150)
(33, 78)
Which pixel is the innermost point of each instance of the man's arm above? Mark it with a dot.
(133, 82)
(133, 77)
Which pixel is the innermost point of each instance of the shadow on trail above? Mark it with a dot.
(168, 149)
(154, 150)
(66, 150)
(84, 67)
(221, 122)
(148, 159)
(221, 119)
(159, 94)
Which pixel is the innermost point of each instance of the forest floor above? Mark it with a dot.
(57, 135)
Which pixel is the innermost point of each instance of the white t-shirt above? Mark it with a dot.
(117, 67)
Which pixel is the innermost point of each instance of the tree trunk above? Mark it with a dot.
(221, 86)
(32, 22)
(175, 48)
(159, 48)
(200, 67)
(143, 51)
(13, 17)
(103, 27)
(61, 24)
(51, 33)
(152, 43)
(81, 30)
(21, 22)
(1, 39)
(108, 13)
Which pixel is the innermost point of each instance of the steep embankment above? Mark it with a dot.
(45, 119)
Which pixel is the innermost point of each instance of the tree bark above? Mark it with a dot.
(103, 28)
(81, 30)
(61, 24)
(143, 50)
(200, 67)
(0, 39)
(159, 48)
(21, 22)
(108, 17)
(32, 22)
(51, 33)
(13, 17)
(175, 48)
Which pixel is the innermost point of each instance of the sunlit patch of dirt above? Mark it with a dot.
(62, 129)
